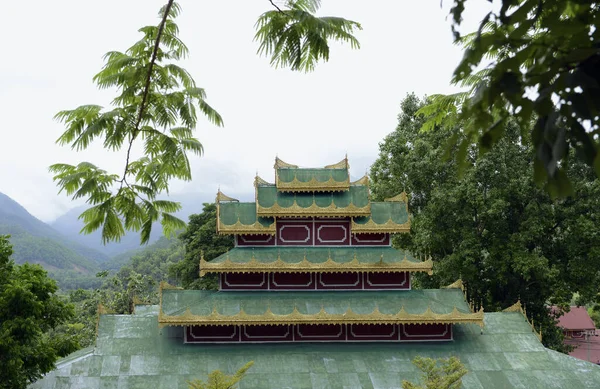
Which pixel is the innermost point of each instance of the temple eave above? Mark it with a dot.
(269, 318)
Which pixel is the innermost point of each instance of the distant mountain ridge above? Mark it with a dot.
(70, 225)
(36, 242)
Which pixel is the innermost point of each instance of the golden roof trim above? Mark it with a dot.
(280, 164)
(249, 229)
(313, 185)
(305, 266)
(370, 226)
(322, 317)
(259, 181)
(313, 210)
(518, 307)
(364, 180)
(343, 164)
(402, 197)
(458, 284)
(223, 197)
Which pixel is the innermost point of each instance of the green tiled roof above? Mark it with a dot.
(315, 259)
(385, 217)
(354, 202)
(235, 218)
(202, 302)
(292, 178)
(132, 352)
(342, 254)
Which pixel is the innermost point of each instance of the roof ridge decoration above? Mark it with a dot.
(518, 307)
(401, 197)
(280, 164)
(260, 181)
(343, 164)
(295, 210)
(322, 317)
(305, 266)
(364, 180)
(223, 197)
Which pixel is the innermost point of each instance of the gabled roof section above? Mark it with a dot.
(271, 202)
(315, 260)
(200, 307)
(389, 216)
(234, 217)
(331, 178)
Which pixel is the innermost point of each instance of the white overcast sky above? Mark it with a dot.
(52, 49)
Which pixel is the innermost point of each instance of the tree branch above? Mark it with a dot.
(138, 121)
(276, 7)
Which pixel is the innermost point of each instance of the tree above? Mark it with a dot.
(29, 308)
(545, 68)
(491, 225)
(200, 240)
(157, 107)
(218, 380)
(447, 376)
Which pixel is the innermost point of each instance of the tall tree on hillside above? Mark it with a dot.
(491, 225)
(29, 308)
(200, 240)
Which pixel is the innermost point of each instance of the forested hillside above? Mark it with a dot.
(36, 242)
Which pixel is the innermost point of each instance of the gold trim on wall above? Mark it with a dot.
(305, 266)
(322, 317)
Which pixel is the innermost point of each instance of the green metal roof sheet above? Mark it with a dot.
(132, 352)
(315, 260)
(382, 212)
(288, 175)
(202, 302)
(340, 255)
(353, 202)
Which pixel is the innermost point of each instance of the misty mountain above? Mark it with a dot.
(36, 242)
(70, 225)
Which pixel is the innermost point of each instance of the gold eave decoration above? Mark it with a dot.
(248, 229)
(364, 180)
(390, 227)
(402, 197)
(313, 185)
(280, 164)
(305, 266)
(343, 164)
(313, 210)
(322, 317)
(223, 197)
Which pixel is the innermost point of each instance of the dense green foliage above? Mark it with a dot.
(448, 375)
(157, 107)
(545, 68)
(492, 225)
(219, 380)
(294, 37)
(29, 310)
(200, 239)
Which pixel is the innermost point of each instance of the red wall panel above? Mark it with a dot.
(371, 240)
(387, 281)
(207, 334)
(345, 281)
(320, 333)
(244, 281)
(255, 240)
(295, 233)
(417, 332)
(267, 333)
(371, 332)
(332, 232)
(292, 281)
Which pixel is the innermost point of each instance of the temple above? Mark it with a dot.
(314, 294)
(313, 262)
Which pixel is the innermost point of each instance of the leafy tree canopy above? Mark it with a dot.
(29, 308)
(219, 380)
(534, 61)
(200, 239)
(448, 375)
(492, 225)
(158, 105)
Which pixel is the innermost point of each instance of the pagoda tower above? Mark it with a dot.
(313, 262)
